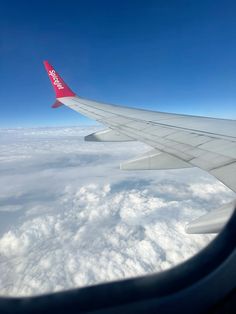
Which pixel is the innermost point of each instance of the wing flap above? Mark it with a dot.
(154, 160)
(226, 174)
(212, 222)
(107, 136)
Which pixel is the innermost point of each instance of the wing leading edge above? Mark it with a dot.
(178, 141)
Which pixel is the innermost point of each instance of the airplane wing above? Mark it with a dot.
(177, 141)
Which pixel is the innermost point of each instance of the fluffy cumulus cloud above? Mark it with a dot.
(69, 217)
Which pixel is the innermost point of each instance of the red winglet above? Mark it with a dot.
(57, 104)
(60, 87)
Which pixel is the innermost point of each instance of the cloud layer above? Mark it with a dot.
(69, 217)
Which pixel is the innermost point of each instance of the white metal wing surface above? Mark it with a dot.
(177, 141)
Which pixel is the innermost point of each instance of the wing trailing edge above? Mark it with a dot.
(155, 160)
(212, 222)
(108, 135)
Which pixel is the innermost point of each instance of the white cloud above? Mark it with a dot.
(69, 216)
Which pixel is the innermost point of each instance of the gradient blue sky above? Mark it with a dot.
(174, 56)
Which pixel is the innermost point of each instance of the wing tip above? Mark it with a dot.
(57, 104)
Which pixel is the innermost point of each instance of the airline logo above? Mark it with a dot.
(55, 78)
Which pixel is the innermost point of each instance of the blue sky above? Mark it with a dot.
(174, 56)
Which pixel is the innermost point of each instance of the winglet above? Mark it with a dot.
(60, 87)
(57, 104)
